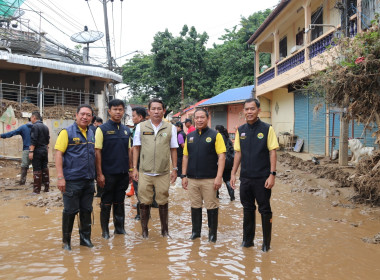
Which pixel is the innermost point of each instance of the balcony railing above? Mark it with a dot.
(266, 76)
(291, 62)
(320, 46)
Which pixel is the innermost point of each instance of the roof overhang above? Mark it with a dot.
(223, 103)
(60, 66)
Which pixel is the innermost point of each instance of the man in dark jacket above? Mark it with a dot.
(24, 131)
(75, 164)
(38, 152)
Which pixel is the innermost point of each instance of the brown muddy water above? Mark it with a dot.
(311, 240)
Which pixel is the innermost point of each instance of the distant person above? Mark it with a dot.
(24, 131)
(229, 160)
(75, 164)
(92, 125)
(181, 137)
(113, 160)
(97, 121)
(202, 171)
(255, 148)
(189, 126)
(155, 143)
(38, 153)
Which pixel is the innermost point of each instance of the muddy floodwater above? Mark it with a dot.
(311, 239)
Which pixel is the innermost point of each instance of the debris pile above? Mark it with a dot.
(53, 199)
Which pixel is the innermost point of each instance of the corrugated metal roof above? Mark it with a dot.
(189, 108)
(62, 66)
(235, 95)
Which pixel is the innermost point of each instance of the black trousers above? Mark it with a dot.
(40, 159)
(78, 196)
(136, 187)
(251, 190)
(179, 165)
(114, 188)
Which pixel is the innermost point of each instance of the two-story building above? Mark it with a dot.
(295, 35)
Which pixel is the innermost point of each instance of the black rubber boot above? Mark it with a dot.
(144, 214)
(24, 172)
(137, 217)
(249, 224)
(119, 218)
(231, 191)
(105, 212)
(212, 215)
(67, 229)
(46, 179)
(164, 218)
(217, 194)
(266, 220)
(196, 221)
(37, 181)
(99, 191)
(85, 228)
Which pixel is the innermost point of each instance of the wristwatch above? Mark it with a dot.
(183, 176)
(175, 168)
(273, 173)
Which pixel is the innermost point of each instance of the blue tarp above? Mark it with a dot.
(230, 96)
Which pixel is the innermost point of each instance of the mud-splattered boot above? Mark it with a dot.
(249, 223)
(37, 181)
(144, 215)
(196, 221)
(119, 218)
(85, 228)
(67, 228)
(164, 218)
(212, 215)
(231, 191)
(266, 220)
(105, 212)
(24, 172)
(137, 217)
(46, 179)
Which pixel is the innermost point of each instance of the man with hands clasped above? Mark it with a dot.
(202, 170)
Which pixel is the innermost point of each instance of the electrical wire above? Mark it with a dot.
(113, 30)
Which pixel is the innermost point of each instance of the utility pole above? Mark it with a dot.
(109, 58)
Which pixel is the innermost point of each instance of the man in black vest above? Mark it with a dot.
(113, 158)
(204, 156)
(255, 147)
(75, 164)
(38, 152)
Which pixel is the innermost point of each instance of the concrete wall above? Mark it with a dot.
(282, 109)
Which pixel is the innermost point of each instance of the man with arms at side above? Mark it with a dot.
(38, 153)
(75, 164)
(113, 158)
(155, 142)
(181, 137)
(204, 156)
(189, 126)
(255, 148)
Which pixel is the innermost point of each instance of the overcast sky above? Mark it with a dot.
(133, 23)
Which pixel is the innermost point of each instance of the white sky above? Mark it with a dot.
(141, 20)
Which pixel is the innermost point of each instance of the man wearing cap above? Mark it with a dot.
(189, 126)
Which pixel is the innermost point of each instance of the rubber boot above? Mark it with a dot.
(212, 215)
(37, 181)
(137, 217)
(231, 191)
(119, 218)
(24, 172)
(99, 191)
(196, 221)
(45, 179)
(217, 194)
(85, 228)
(266, 220)
(164, 218)
(249, 223)
(131, 191)
(67, 229)
(105, 212)
(144, 215)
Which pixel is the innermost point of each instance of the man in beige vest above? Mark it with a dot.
(155, 142)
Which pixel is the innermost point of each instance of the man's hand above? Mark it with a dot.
(218, 183)
(61, 184)
(101, 180)
(269, 183)
(185, 182)
(135, 175)
(233, 181)
(173, 176)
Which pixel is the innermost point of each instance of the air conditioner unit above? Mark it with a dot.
(295, 48)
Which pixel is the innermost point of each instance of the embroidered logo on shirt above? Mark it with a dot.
(208, 139)
(148, 133)
(164, 134)
(111, 132)
(242, 136)
(260, 135)
(76, 140)
(191, 139)
(125, 132)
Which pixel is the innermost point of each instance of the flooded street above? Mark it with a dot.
(311, 239)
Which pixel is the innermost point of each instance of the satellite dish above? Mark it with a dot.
(86, 37)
